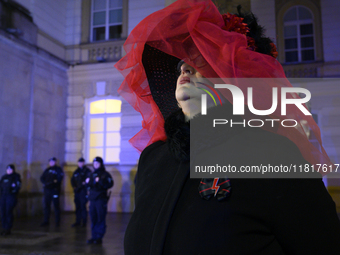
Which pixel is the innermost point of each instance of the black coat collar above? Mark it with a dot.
(200, 128)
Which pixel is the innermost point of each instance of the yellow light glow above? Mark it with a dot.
(97, 125)
(113, 106)
(97, 107)
(113, 139)
(113, 124)
(96, 152)
(112, 154)
(97, 140)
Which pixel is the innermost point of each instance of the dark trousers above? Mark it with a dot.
(7, 204)
(51, 196)
(98, 210)
(80, 200)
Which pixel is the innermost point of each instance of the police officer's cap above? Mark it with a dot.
(81, 160)
(11, 166)
(99, 159)
(53, 159)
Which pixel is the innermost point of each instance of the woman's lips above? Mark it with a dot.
(184, 80)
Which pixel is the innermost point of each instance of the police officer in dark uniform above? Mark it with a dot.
(80, 192)
(51, 179)
(98, 183)
(10, 185)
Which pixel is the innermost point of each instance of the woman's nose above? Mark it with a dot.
(187, 70)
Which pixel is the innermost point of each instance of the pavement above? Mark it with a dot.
(28, 238)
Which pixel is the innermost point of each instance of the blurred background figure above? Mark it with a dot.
(10, 185)
(80, 192)
(51, 179)
(98, 183)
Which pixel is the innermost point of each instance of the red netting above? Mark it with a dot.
(192, 30)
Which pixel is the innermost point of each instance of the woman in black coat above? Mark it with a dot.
(98, 182)
(228, 214)
(10, 185)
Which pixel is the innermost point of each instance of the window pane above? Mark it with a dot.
(307, 42)
(99, 4)
(98, 18)
(304, 13)
(113, 124)
(116, 3)
(307, 55)
(97, 107)
(306, 29)
(113, 139)
(98, 34)
(112, 154)
(116, 16)
(97, 125)
(292, 56)
(115, 32)
(290, 31)
(290, 44)
(290, 15)
(96, 152)
(96, 140)
(113, 106)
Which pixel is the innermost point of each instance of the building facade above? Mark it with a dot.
(58, 92)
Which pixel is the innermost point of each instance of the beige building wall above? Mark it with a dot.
(83, 88)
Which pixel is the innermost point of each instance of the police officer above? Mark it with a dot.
(98, 183)
(51, 179)
(10, 185)
(80, 192)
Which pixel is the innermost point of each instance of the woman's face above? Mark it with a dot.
(189, 90)
(96, 164)
(9, 170)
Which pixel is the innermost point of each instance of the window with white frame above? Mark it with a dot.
(299, 35)
(106, 20)
(103, 130)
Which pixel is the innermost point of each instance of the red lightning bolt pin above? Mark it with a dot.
(215, 186)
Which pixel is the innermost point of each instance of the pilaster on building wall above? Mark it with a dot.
(331, 36)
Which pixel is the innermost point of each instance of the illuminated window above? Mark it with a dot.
(103, 130)
(299, 35)
(106, 20)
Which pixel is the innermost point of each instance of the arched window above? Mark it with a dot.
(299, 40)
(103, 130)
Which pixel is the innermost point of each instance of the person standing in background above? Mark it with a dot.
(80, 192)
(51, 179)
(10, 185)
(98, 183)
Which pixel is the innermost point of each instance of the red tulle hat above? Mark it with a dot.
(195, 31)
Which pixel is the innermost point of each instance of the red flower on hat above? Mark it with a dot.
(233, 23)
(273, 52)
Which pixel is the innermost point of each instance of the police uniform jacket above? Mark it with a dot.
(78, 178)
(261, 216)
(50, 175)
(98, 190)
(7, 181)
